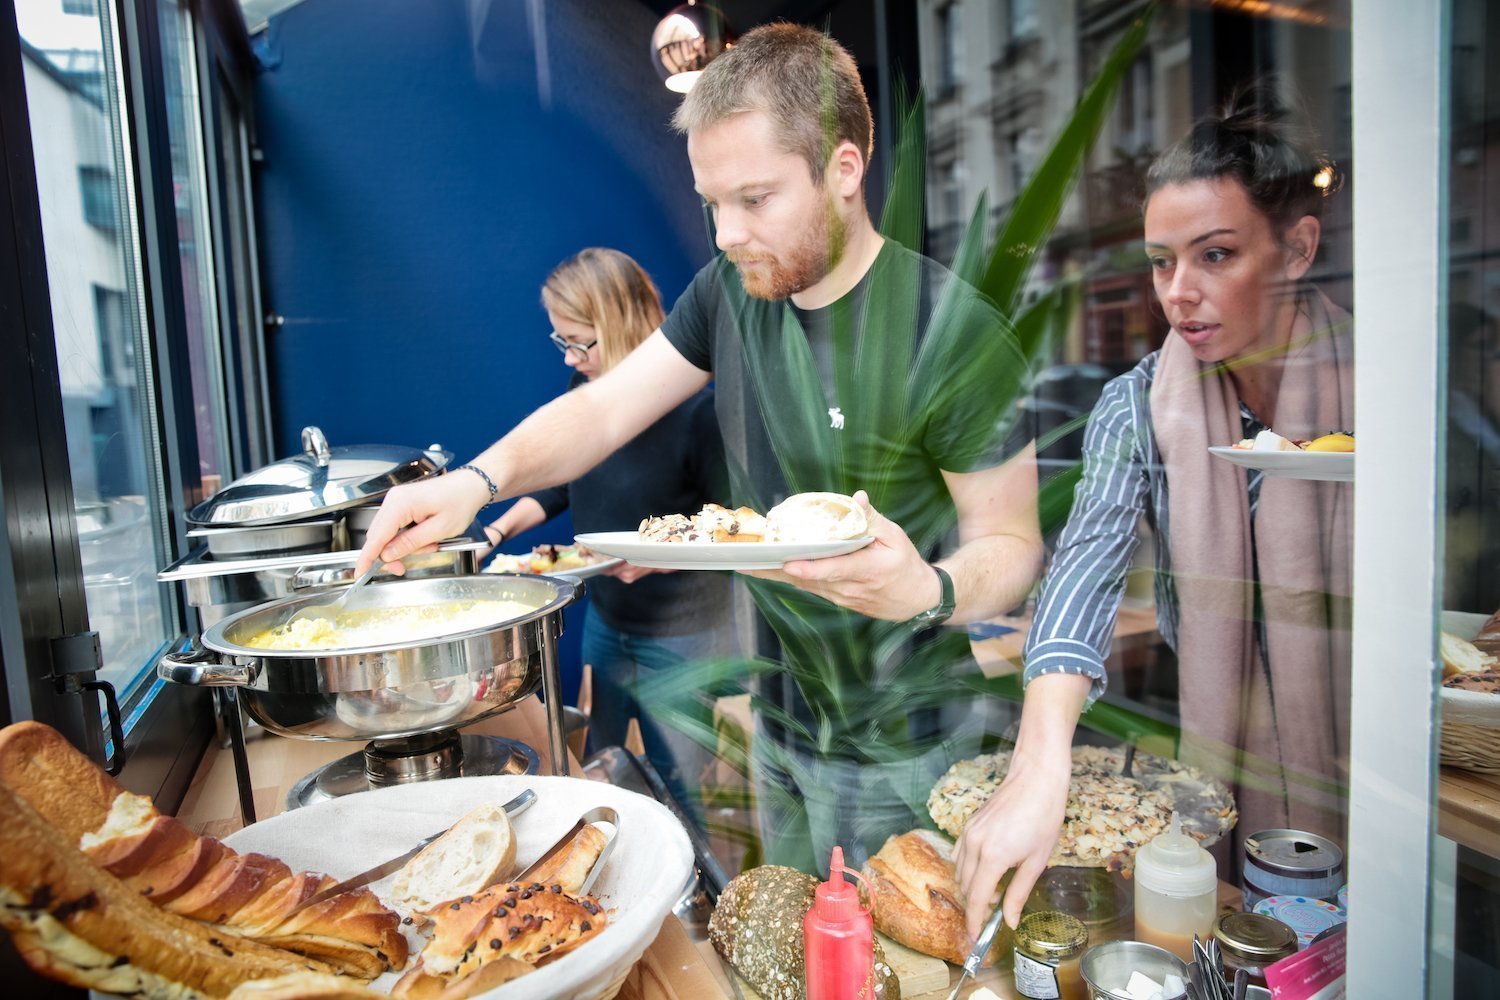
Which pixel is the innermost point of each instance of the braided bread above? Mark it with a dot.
(197, 877)
(499, 934)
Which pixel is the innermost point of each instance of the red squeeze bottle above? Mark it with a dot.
(839, 939)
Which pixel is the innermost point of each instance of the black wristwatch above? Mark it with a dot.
(943, 610)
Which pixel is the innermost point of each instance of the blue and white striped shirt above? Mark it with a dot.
(1123, 481)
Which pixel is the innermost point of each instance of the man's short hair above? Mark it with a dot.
(807, 82)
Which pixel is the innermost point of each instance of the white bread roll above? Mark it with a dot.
(816, 517)
(1461, 656)
(477, 851)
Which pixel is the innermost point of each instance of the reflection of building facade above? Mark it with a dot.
(1002, 76)
(77, 185)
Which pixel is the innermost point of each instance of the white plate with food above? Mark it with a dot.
(631, 547)
(803, 526)
(1330, 466)
(646, 872)
(576, 561)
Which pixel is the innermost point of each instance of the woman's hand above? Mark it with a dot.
(1016, 829)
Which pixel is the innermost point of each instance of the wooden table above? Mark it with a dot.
(671, 969)
(1469, 809)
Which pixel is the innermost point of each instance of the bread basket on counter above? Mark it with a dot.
(1470, 733)
(651, 864)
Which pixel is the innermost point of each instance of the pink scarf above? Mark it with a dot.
(1280, 737)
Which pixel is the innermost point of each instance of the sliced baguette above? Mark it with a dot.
(477, 851)
(1461, 656)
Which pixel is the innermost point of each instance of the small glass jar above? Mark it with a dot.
(1252, 941)
(1049, 945)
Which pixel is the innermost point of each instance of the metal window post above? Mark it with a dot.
(1400, 307)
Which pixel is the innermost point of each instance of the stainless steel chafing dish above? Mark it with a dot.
(396, 695)
(288, 534)
(295, 525)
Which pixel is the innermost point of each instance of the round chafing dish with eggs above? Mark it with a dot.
(464, 649)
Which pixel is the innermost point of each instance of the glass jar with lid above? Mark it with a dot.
(1049, 946)
(1252, 941)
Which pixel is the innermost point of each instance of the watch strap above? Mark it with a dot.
(943, 610)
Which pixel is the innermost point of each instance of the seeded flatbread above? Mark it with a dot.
(1107, 815)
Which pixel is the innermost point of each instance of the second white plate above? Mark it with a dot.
(629, 545)
(1330, 466)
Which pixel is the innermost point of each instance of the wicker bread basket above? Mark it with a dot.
(1470, 719)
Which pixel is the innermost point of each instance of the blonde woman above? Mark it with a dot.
(602, 305)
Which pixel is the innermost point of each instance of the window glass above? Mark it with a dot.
(1469, 447)
(195, 248)
(72, 91)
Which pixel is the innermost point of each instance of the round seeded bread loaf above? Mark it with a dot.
(757, 928)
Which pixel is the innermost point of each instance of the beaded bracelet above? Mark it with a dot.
(494, 490)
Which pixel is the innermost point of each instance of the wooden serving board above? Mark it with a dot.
(917, 972)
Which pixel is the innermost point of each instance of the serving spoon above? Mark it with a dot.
(331, 611)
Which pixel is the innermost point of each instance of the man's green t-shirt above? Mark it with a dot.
(910, 374)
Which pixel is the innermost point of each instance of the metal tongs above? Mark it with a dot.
(600, 814)
(981, 949)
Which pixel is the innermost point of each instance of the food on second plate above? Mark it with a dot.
(476, 852)
(195, 877)
(545, 559)
(381, 626)
(757, 928)
(916, 898)
(1460, 656)
(801, 518)
(483, 940)
(1108, 816)
(1340, 441)
(1332, 442)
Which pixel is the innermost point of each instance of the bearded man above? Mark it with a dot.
(842, 361)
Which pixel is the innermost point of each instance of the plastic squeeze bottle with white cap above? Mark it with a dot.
(839, 938)
(1176, 892)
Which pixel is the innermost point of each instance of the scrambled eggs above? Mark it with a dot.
(381, 626)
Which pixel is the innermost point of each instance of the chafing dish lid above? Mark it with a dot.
(320, 480)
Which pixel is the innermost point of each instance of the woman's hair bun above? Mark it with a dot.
(1263, 142)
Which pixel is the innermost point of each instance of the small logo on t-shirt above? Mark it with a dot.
(835, 418)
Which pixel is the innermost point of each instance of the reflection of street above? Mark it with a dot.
(119, 578)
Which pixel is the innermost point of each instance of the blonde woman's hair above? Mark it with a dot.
(607, 290)
(805, 81)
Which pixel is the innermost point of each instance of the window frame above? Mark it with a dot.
(41, 580)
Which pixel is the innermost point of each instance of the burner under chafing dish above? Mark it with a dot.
(427, 757)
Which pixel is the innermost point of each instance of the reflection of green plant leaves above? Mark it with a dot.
(862, 679)
(902, 217)
(1029, 223)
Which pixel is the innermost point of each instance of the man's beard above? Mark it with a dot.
(803, 266)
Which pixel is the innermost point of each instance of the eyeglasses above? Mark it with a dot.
(565, 345)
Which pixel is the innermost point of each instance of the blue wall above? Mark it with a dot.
(426, 164)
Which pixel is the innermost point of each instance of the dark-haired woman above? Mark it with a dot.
(1253, 571)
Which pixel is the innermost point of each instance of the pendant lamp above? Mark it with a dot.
(687, 40)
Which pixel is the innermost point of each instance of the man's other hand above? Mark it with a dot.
(887, 579)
